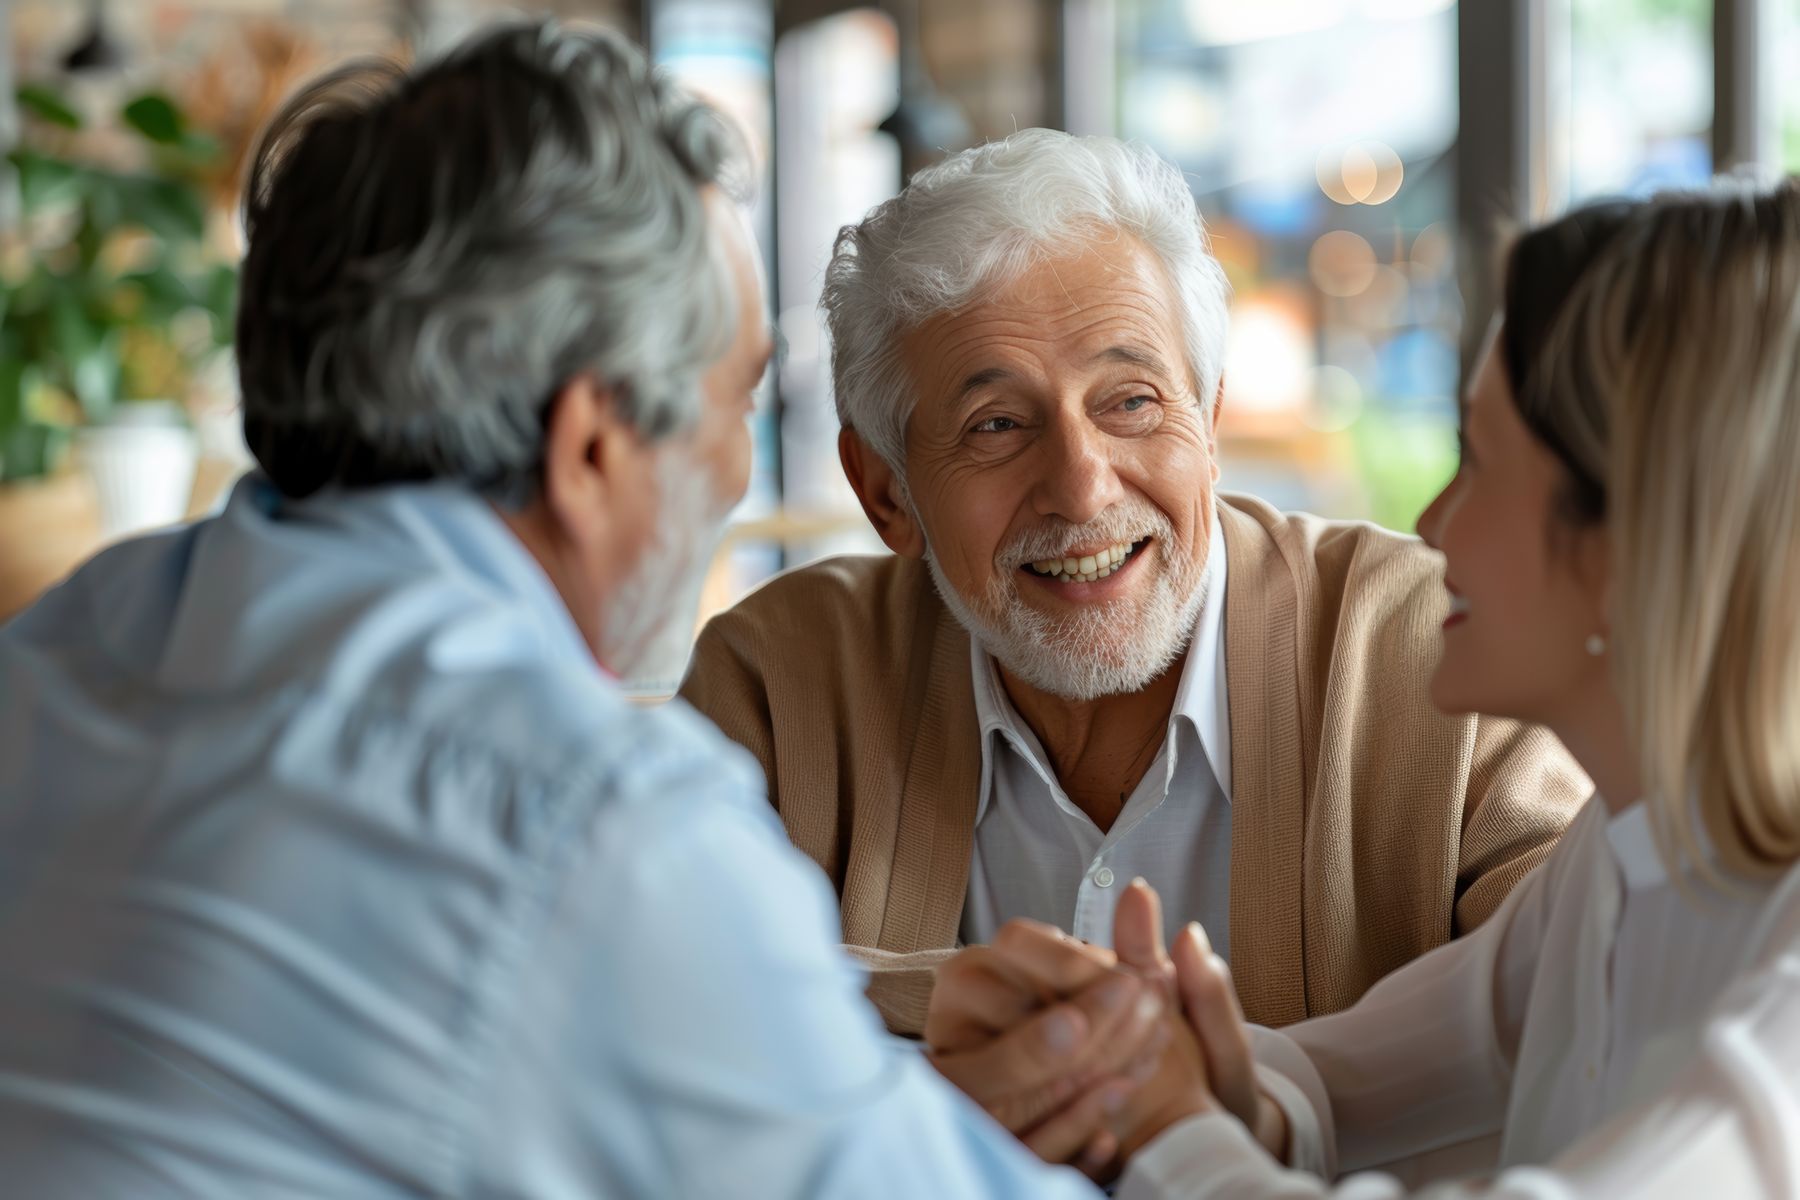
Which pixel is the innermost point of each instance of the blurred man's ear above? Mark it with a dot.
(596, 506)
(879, 490)
(594, 465)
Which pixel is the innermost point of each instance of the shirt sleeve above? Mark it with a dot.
(690, 1028)
(1729, 1125)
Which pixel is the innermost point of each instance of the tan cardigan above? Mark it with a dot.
(1366, 827)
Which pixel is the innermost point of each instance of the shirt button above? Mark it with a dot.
(1103, 877)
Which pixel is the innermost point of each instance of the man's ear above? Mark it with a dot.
(878, 489)
(592, 461)
(1212, 427)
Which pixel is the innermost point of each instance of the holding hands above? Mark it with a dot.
(1087, 1054)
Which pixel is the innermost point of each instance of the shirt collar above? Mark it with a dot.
(443, 524)
(1633, 842)
(1201, 700)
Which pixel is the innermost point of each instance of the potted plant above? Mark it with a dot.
(113, 299)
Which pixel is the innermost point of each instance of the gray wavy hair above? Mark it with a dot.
(979, 220)
(434, 252)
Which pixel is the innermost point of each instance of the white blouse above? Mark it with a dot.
(1622, 1037)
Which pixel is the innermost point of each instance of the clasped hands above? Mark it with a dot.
(1085, 1053)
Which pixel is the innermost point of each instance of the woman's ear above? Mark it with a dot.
(881, 494)
(1593, 568)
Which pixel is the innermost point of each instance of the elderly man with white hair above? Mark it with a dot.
(1082, 664)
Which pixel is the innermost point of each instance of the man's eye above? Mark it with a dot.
(1135, 403)
(997, 425)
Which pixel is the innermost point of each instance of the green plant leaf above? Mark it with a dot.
(155, 116)
(221, 292)
(165, 294)
(200, 148)
(45, 104)
(12, 386)
(45, 182)
(173, 211)
(86, 351)
(30, 450)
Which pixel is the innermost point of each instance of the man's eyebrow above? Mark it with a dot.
(1133, 356)
(981, 379)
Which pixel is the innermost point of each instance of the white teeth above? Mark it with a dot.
(1458, 606)
(1086, 569)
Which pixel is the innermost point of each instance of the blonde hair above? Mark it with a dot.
(1687, 326)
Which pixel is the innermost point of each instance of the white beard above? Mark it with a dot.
(648, 627)
(1100, 650)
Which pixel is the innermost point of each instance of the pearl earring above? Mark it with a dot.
(1596, 645)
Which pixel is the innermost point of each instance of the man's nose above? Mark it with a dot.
(1078, 481)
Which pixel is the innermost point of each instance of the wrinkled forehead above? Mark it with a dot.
(1062, 318)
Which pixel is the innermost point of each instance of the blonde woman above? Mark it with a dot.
(1622, 553)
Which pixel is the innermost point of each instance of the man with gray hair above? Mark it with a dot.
(334, 861)
(1081, 664)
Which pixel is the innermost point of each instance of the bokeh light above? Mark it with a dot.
(1342, 263)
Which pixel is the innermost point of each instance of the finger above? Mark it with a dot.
(1074, 1127)
(1212, 1008)
(1044, 957)
(1125, 1013)
(1137, 929)
(973, 999)
(1026, 1072)
(1098, 1160)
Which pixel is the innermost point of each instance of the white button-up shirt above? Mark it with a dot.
(1037, 855)
(1623, 1033)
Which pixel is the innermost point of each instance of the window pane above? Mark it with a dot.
(1320, 139)
(1638, 96)
(1782, 69)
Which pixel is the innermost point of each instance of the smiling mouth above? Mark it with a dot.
(1088, 568)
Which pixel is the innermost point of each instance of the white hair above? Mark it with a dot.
(978, 221)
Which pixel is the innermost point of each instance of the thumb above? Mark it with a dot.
(1137, 931)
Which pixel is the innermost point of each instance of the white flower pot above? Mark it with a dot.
(142, 463)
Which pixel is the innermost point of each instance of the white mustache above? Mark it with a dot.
(1056, 537)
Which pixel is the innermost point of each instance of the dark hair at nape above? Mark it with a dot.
(1543, 268)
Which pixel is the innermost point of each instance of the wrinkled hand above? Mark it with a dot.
(1048, 1034)
(1211, 1005)
(1212, 1049)
(1180, 1086)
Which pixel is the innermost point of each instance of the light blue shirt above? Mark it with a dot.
(331, 865)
